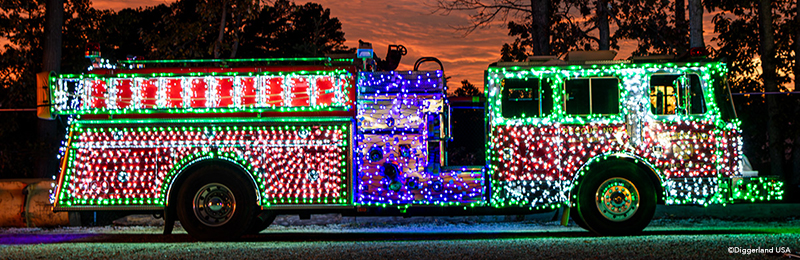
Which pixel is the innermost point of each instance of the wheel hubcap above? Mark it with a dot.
(214, 204)
(617, 199)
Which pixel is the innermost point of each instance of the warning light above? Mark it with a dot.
(698, 52)
(92, 50)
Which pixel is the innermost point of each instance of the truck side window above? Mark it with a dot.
(605, 96)
(592, 96)
(723, 98)
(526, 97)
(667, 97)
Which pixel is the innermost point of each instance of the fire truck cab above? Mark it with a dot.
(613, 138)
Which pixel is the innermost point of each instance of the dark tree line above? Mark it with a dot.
(183, 29)
(759, 40)
(221, 29)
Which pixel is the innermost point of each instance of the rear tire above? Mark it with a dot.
(616, 198)
(216, 203)
(261, 221)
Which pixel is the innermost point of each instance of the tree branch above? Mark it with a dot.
(486, 12)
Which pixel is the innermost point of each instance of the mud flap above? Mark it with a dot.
(169, 221)
(565, 216)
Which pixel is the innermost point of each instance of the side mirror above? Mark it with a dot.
(682, 95)
(43, 96)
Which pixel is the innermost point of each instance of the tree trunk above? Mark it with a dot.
(796, 148)
(794, 180)
(770, 85)
(54, 20)
(695, 24)
(237, 26)
(46, 129)
(680, 14)
(680, 25)
(540, 27)
(218, 43)
(796, 69)
(602, 24)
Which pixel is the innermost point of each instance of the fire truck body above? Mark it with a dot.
(225, 148)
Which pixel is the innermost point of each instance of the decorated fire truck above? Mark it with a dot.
(224, 146)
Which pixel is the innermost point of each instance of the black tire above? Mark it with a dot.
(575, 216)
(607, 199)
(261, 221)
(216, 203)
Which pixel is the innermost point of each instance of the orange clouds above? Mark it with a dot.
(412, 24)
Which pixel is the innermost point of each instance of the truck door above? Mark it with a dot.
(684, 137)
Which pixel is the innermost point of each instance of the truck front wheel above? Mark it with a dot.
(215, 203)
(616, 199)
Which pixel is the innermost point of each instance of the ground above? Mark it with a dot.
(500, 237)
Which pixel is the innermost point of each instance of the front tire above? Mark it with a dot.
(617, 198)
(575, 216)
(216, 203)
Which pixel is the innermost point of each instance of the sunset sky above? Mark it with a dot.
(413, 24)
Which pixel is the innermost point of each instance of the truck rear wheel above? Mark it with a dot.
(261, 221)
(215, 203)
(616, 199)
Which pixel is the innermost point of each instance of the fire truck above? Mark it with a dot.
(224, 146)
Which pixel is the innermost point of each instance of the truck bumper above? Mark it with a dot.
(755, 189)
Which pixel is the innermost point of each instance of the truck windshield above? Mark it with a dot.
(724, 99)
